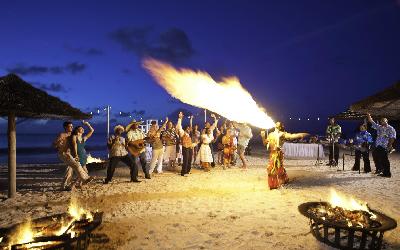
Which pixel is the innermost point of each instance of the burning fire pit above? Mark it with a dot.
(346, 228)
(62, 231)
(95, 163)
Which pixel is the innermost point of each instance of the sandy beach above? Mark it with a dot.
(221, 209)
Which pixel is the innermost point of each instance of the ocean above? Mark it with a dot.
(37, 148)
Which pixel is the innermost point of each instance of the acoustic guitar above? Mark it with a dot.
(134, 147)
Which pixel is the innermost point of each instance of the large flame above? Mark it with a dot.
(347, 203)
(227, 98)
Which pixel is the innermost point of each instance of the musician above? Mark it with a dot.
(136, 145)
(333, 133)
(117, 146)
(386, 135)
(362, 142)
(187, 144)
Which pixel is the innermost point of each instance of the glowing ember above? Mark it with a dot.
(91, 159)
(23, 234)
(227, 98)
(77, 212)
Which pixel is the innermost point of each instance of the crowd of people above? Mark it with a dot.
(171, 145)
(187, 146)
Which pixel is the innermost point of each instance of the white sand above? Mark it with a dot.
(222, 209)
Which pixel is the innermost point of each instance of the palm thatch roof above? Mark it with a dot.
(383, 104)
(24, 100)
(350, 115)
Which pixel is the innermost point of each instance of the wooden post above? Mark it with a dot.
(12, 157)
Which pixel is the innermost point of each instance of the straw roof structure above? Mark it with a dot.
(383, 104)
(24, 100)
(350, 115)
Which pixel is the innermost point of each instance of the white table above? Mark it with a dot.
(303, 150)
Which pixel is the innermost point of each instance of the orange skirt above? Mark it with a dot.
(277, 175)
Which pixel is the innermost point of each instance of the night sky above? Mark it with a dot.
(303, 59)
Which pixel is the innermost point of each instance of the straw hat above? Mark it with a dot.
(118, 127)
(128, 127)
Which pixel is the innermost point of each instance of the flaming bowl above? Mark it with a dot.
(52, 233)
(365, 234)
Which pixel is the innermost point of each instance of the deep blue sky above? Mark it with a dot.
(307, 58)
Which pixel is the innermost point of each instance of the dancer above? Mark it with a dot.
(228, 149)
(62, 144)
(195, 139)
(136, 145)
(117, 146)
(386, 135)
(187, 144)
(157, 146)
(205, 153)
(169, 136)
(244, 137)
(277, 175)
(78, 143)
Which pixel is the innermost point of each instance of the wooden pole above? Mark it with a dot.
(12, 157)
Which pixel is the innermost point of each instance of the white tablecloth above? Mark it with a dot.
(303, 150)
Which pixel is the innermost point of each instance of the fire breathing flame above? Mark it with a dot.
(347, 203)
(227, 98)
(91, 159)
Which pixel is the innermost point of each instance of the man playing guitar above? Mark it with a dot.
(136, 145)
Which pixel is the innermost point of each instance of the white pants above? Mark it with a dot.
(157, 158)
(170, 153)
(72, 166)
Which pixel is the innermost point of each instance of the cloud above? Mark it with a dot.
(52, 87)
(21, 69)
(85, 51)
(172, 45)
(75, 67)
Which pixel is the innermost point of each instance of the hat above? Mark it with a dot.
(118, 127)
(128, 127)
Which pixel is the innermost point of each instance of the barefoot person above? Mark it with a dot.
(117, 146)
(244, 137)
(62, 144)
(228, 150)
(157, 146)
(78, 143)
(277, 175)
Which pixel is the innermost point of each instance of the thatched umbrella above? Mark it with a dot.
(20, 99)
(350, 115)
(383, 104)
